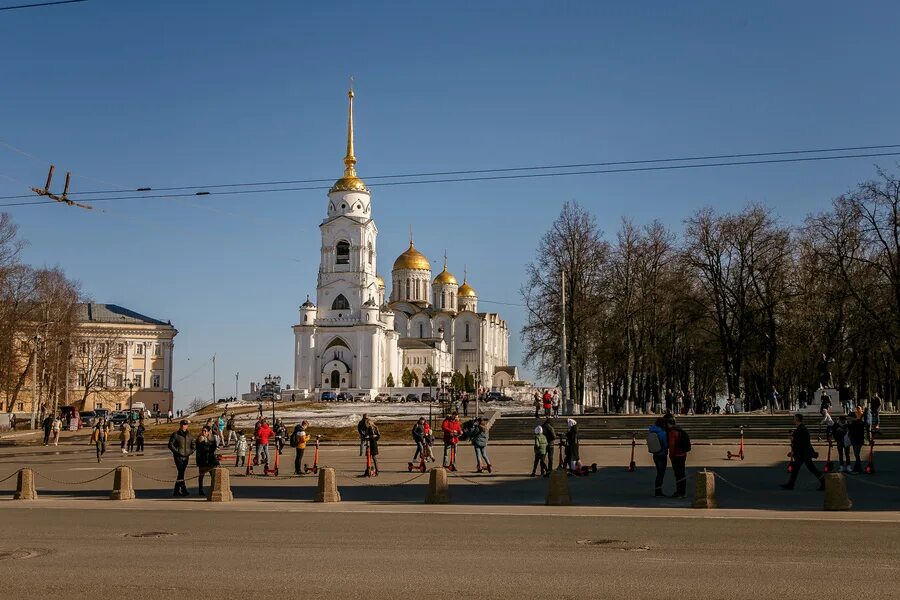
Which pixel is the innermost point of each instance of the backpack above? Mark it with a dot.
(654, 446)
(684, 441)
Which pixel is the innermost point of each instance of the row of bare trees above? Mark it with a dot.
(41, 352)
(737, 303)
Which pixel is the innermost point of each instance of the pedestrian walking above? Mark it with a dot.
(182, 446)
(856, 433)
(99, 437)
(839, 433)
(538, 404)
(540, 452)
(55, 428)
(679, 443)
(554, 406)
(658, 446)
(429, 442)
(240, 450)
(124, 437)
(773, 398)
(47, 426)
(361, 431)
(299, 438)
(418, 436)
(372, 437)
(573, 457)
(169, 416)
(478, 435)
(206, 456)
(452, 431)
(550, 435)
(688, 402)
(465, 405)
(875, 405)
(280, 435)
(802, 453)
(229, 430)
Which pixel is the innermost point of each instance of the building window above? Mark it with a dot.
(155, 380)
(342, 252)
(340, 303)
(120, 349)
(101, 380)
(407, 290)
(138, 379)
(118, 406)
(157, 350)
(467, 333)
(84, 348)
(421, 330)
(120, 380)
(101, 348)
(98, 405)
(82, 379)
(156, 408)
(138, 349)
(371, 254)
(21, 406)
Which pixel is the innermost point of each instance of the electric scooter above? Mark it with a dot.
(870, 466)
(370, 468)
(315, 466)
(829, 464)
(632, 466)
(740, 453)
(421, 466)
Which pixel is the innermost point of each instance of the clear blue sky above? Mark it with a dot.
(161, 93)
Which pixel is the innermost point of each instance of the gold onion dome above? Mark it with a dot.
(349, 182)
(445, 277)
(466, 290)
(412, 259)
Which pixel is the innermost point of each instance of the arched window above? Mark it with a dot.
(371, 254)
(342, 252)
(467, 333)
(408, 297)
(340, 303)
(452, 300)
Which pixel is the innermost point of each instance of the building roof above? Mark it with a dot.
(89, 312)
(416, 344)
(510, 370)
(412, 259)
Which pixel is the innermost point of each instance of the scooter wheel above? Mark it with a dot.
(490, 469)
(276, 472)
(594, 467)
(729, 455)
(409, 467)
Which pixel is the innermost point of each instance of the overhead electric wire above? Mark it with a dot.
(39, 4)
(481, 171)
(485, 178)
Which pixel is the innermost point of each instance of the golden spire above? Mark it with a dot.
(350, 182)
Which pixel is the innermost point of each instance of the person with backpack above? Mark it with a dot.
(658, 446)
(299, 439)
(802, 453)
(550, 435)
(540, 451)
(573, 458)
(679, 445)
(418, 436)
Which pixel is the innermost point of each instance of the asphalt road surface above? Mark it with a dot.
(63, 553)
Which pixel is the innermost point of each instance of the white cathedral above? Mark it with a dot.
(355, 339)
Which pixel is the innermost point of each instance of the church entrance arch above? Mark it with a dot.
(335, 379)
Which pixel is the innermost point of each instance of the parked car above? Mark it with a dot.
(412, 397)
(88, 418)
(362, 398)
(383, 398)
(426, 397)
(493, 397)
(118, 418)
(102, 412)
(344, 397)
(328, 397)
(444, 397)
(397, 398)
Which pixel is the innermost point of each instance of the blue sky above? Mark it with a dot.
(161, 93)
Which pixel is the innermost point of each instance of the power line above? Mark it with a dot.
(485, 178)
(41, 4)
(484, 171)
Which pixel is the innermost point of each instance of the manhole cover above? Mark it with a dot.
(613, 545)
(149, 534)
(22, 553)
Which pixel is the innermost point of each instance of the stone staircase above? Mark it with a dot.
(700, 427)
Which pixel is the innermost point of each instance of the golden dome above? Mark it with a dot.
(445, 277)
(380, 281)
(466, 291)
(349, 182)
(412, 259)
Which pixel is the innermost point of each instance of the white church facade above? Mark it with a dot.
(357, 339)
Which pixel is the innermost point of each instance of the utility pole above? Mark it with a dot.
(236, 377)
(563, 370)
(214, 379)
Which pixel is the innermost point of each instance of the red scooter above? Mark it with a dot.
(315, 466)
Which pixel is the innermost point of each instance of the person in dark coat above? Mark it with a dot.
(372, 435)
(47, 425)
(573, 459)
(856, 431)
(181, 445)
(206, 455)
(802, 453)
(550, 434)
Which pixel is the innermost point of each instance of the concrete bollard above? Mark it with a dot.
(25, 485)
(558, 491)
(123, 487)
(836, 492)
(327, 490)
(438, 487)
(705, 490)
(220, 486)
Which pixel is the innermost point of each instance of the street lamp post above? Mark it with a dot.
(272, 384)
(129, 383)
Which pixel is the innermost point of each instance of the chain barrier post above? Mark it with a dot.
(327, 490)
(558, 490)
(123, 488)
(836, 497)
(220, 488)
(25, 485)
(705, 490)
(438, 487)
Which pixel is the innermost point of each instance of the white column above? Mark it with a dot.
(148, 354)
(167, 365)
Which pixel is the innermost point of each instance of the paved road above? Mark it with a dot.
(86, 554)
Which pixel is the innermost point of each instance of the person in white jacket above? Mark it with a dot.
(240, 450)
(55, 428)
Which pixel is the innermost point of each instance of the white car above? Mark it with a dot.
(383, 398)
(398, 398)
(362, 398)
